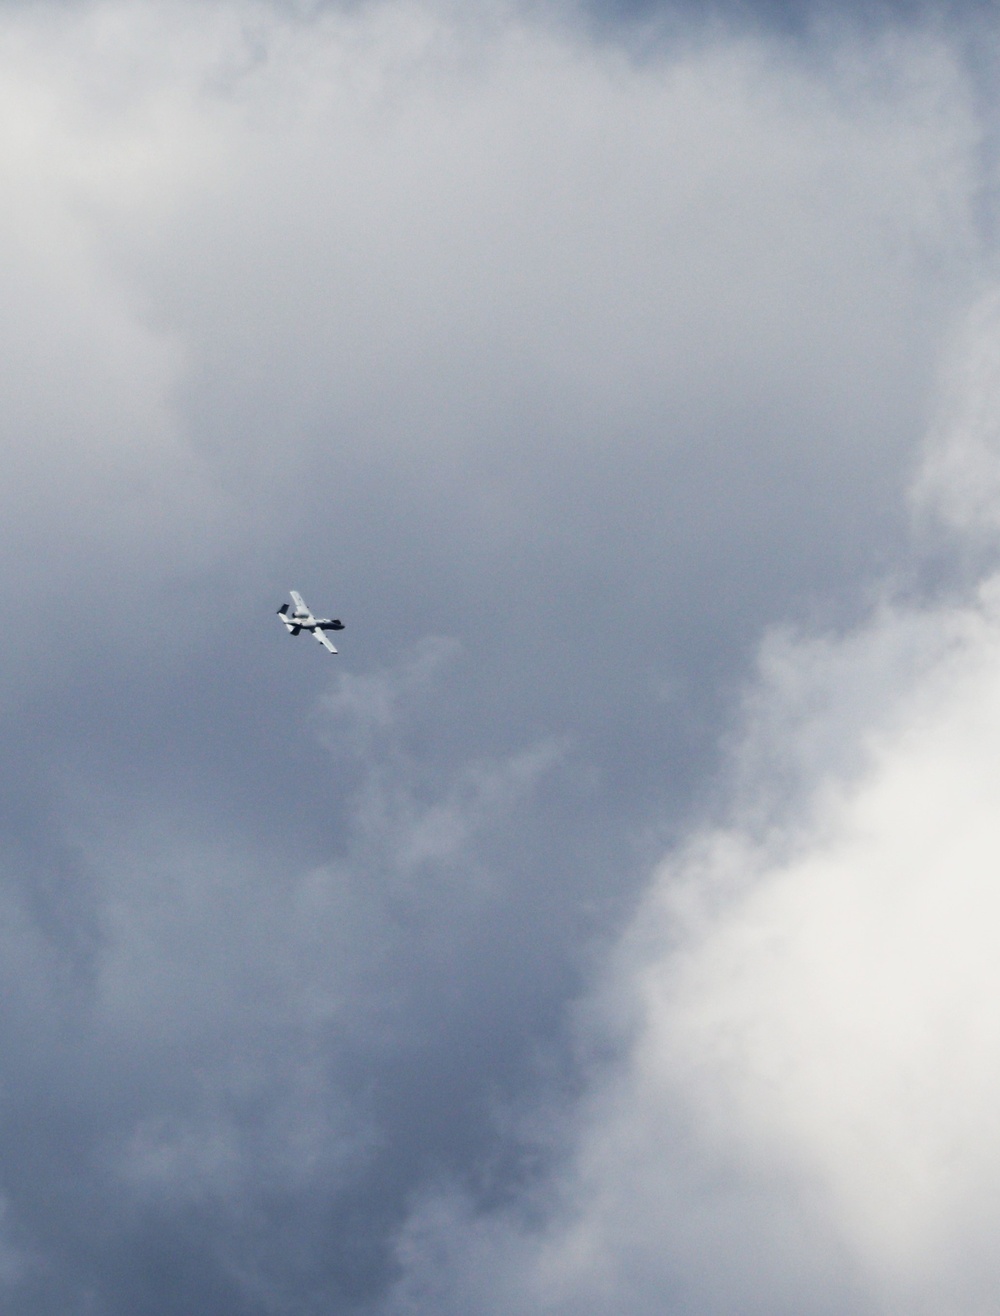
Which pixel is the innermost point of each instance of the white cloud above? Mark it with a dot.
(392, 220)
(960, 477)
(804, 1119)
(513, 339)
(371, 703)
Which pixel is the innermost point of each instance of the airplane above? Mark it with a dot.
(303, 620)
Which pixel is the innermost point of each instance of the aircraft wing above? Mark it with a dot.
(323, 640)
(300, 603)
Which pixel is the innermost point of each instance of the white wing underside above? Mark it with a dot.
(303, 620)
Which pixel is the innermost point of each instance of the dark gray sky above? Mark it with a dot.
(623, 378)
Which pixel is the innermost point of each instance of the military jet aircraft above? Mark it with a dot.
(303, 620)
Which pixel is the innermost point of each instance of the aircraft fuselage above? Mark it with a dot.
(301, 619)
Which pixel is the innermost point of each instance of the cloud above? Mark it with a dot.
(958, 478)
(803, 1115)
(467, 326)
(806, 21)
(250, 1031)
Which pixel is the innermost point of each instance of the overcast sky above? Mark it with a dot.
(612, 926)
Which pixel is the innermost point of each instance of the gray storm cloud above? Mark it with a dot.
(805, 1118)
(561, 375)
